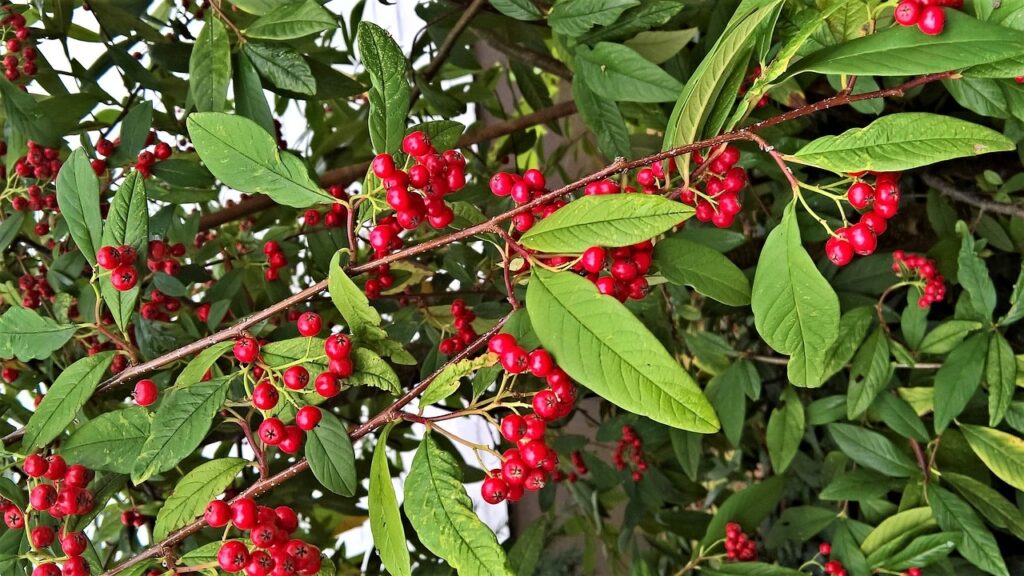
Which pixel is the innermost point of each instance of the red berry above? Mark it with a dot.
(839, 251)
(296, 378)
(540, 363)
(292, 440)
(593, 259)
(56, 468)
(73, 543)
(246, 349)
(533, 453)
(501, 184)
(535, 480)
(232, 556)
(34, 465)
(860, 195)
(494, 490)
(271, 431)
(309, 324)
(932, 20)
(862, 239)
(108, 258)
(123, 278)
(341, 367)
(307, 417)
(162, 151)
(76, 566)
(874, 222)
(244, 513)
(338, 346)
(217, 513)
(907, 12)
(416, 144)
(824, 548)
(42, 537)
(535, 427)
(515, 360)
(78, 476)
(265, 396)
(499, 343)
(534, 179)
(545, 404)
(513, 427)
(146, 392)
(383, 166)
(326, 385)
(42, 496)
(47, 569)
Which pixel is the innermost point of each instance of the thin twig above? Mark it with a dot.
(955, 193)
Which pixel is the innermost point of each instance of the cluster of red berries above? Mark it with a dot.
(719, 202)
(464, 333)
(36, 201)
(882, 202)
(39, 162)
(160, 307)
(121, 263)
(120, 361)
(914, 265)
(164, 257)
(529, 464)
(133, 518)
(927, 15)
(627, 268)
(146, 159)
(380, 279)
(335, 216)
(579, 466)
(35, 288)
(418, 193)
(269, 530)
(738, 546)
(528, 187)
(60, 491)
(17, 50)
(276, 260)
(632, 444)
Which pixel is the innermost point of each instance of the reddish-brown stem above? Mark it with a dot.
(447, 44)
(261, 455)
(264, 485)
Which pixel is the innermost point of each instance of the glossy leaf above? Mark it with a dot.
(518, 9)
(578, 324)
(574, 17)
(64, 399)
(330, 455)
(110, 442)
(282, 66)
(605, 220)
(619, 73)
(292, 21)
(389, 92)
(872, 450)
(976, 543)
(958, 379)
(974, 277)
(362, 318)
(78, 195)
(785, 431)
(706, 270)
(194, 491)
(945, 337)
(209, 67)
(249, 99)
(1003, 453)
(604, 119)
(869, 375)
(26, 335)
(1000, 376)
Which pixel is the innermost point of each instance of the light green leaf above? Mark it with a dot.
(899, 525)
(385, 519)
(518, 9)
(705, 269)
(110, 442)
(64, 399)
(897, 142)
(26, 335)
(795, 309)
(197, 367)
(748, 508)
(922, 551)
(290, 21)
(872, 450)
(1000, 376)
(194, 491)
(389, 92)
(362, 318)
(945, 337)
(78, 196)
(1003, 453)
(999, 511)
(245, 157)
(976, 543)
(660, 45)
(447, 382)
(785, 431)
(127, 223)
(209, 67)
(605, 220)
(958, 379)
(452, 531)
(635, 372)
(331, 457)
(574, 17)
(619, 73)
(182, 421)
(282, 66)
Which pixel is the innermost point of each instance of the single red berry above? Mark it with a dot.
(824, 548)
(309, 324)
(108, 258)
(271, 431)
(416, 144)
(593, 259)
(839, 251)
(73, 543)
(540, 363)
(383, 166)
(244, 513)
(78, 476)
(341, 367)
(47, 569)
(292, 442)
(494, 490)
(56, 468)
(146, 392)
(545, 405)
(501, 184)
(513, 427)
(307, 418)
(232, 556)
(287, 520)
(932, 20)
(533, 453)
(874, 222)
(42, 496)
(338, 346)
(217, 513)
(76, 566)
(265, 396)
(534, 179)
(296, 378)
(862, 239)
(246, 349)
(41, 537)
(515, 360)
(34, 465)
(326, 385)
(860, 195)
(499, 343)
(907, 12)
(535, 480)
(535, 427)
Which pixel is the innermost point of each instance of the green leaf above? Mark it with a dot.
(687, 448)
(453, 531)
(127, 224)
(385, 519)
(389, 91)
(872, 450)
(705, 87)
(795, 309)
(958, 379)
(518, 9)
(245, 157)
(728, 395)
(443, 134)
(372, 370)
(249, 99)
(999, 511)
(134, 132)
(182, 421)
(331, 457)
(973, 275)
(661, 45)
(1003, 453)
(619, 73)
(447, 382)
(574, 17)
(362, 318)
(904, 51)
(9, 229)
(785, 431)
(748, 508)
(526, 553)
(197, 367)
(900, 525)
(976, 543)
(897, 142)
(78, 196)
(900, 416)
(209, 67)
(292, 21)
(11, 491)
(869, 374)
(26, 335)
(110, 442)
(1000, 376)
(194, 491)
(26, 116)
(749, 569)
(282, 66)
(64, 399)
(922, 551)
(945, 337)
(604, 119)
(578, 324)
(607, 220)
(686, 262)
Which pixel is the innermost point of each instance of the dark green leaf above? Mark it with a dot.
(109, 442)
(785, 431)
(249, 99)
(518, 9)
(705, 269)
(872, 450)
(282, 66)
(976, 543)
(958, 379)
(1000, 376)
(389, 92)
(973, 276)
(64, 399)
(574, 17)
(26, 335)
(209, 68)
(604, 119)
(331, 457)
(290, 21)
(78, 196)
(618, 73)
(385, 519)
(869, 374)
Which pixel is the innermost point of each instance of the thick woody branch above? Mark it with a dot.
(264, 485)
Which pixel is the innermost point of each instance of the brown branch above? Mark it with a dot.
(525, 55)
(955, 193)
(264, 485)
(345, 175)
(447, 45)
